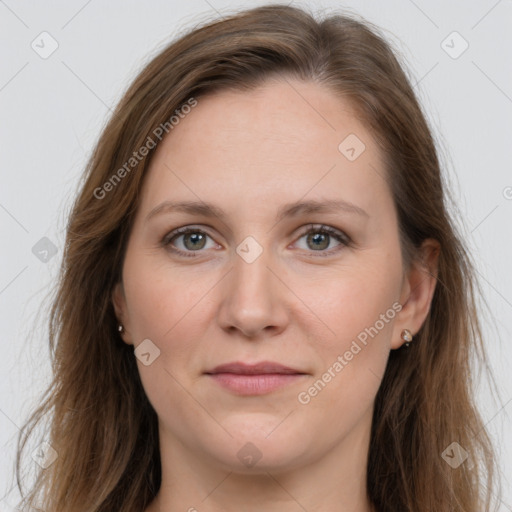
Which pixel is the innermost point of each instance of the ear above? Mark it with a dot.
(119, 302)
(417, 291)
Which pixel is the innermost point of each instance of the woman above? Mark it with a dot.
(264, 304)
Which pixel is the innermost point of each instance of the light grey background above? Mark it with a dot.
(52, 111)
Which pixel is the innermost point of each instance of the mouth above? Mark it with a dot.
(254, 379)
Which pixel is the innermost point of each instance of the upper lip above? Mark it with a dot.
(261, 368)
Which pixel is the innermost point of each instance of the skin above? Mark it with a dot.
(249, 153)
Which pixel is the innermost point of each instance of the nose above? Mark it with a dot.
(254, 298)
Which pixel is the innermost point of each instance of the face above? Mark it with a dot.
(258, 278)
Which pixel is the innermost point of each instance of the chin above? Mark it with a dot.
(259, 447)
(249, 459)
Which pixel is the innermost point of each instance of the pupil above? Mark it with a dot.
(319, 238)
(195, 237)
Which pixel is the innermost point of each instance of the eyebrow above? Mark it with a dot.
(288, 210)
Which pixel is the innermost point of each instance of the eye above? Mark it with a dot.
(318, 237)
(193, 240)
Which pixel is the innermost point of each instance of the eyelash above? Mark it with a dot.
(312, 228)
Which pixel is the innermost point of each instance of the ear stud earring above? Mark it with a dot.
(120, 328)
(406, 335)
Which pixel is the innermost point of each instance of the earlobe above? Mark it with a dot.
(417, 292)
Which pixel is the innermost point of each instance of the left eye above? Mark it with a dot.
(318, 238)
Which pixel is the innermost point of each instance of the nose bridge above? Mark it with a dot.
(252, 299)
(252, 279)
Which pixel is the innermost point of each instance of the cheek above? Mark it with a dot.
(171, 307)
(360, 309)
(162, 297)
(355, 301)
(167, 307)
(360, 345)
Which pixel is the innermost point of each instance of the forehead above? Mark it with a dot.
(275, 143)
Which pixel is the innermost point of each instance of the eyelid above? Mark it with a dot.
(328, 229)
(343, 239)
(166, 240)
(338, 234)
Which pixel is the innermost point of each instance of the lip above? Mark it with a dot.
(261, 368)
(254, 379)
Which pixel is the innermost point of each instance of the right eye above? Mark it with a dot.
(192, 240)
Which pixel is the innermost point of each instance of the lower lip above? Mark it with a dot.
(254, 384)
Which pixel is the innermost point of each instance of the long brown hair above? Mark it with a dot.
(104, 429)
